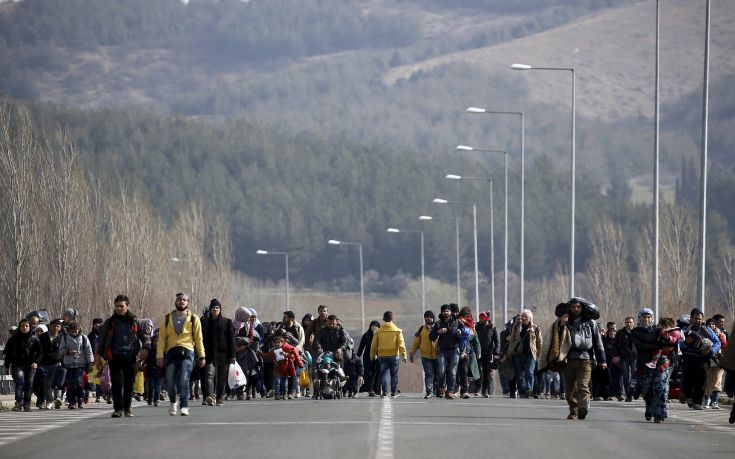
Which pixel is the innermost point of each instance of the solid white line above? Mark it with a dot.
(385, 432)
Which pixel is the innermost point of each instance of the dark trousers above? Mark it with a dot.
(123, 370)
(462, 375)
(694, 378)
(487, 385)
(216, 379)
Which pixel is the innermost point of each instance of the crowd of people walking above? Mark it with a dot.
(213, 358)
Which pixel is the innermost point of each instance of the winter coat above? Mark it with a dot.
(138, 327)
(330, 340)
(219, 340)
(727, 360)
(297, 331)
(190, 337)
(624, 346)
(388, 342)
(586, 340)
(450, 339)
(532, 341)
(311, 341)
(488, 337)
(422, 342)
(22, 350)
(287, 366)
(692, 352)
(50, 348)
(75, 351)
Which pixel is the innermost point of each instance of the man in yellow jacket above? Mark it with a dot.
(429, 354)
(387, 346)
(180, 336)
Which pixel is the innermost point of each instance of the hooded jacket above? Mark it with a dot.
(22, 350)
(450, 339)
(388, 342)
(75, 351)
(421, 341)
(219, 339)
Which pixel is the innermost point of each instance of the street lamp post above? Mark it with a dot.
(523, 190)
(703, 171)
(492, 238)
(362, 277)
(423, 282)
(474, 234)
(505, 231)
(574, 159)
(456, 238)
(266, 252)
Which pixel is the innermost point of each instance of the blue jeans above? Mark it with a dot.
(448, 360)
(178, 373)
(23, 380)
(630, 376)
(431, 369)
(280, 384)
(389, 364)
(524, 366)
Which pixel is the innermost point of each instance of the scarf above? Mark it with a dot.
(468, 322)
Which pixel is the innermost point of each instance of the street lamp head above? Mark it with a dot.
(453, 177)
(439, 201)
(425, 217)
(333, 242)
(393, 230)
(464, 148)
(476, 110)
(262, 252)
(521, 67)
(175, 259)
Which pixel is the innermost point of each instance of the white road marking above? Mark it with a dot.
(385, 431)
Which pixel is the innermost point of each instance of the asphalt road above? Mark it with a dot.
(406, 427)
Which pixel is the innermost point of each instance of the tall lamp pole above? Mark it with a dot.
(574, 160)
(362, 277)
(285, 254)
(505, 231)
(523, 190)
(456, 239)
(474, 233)
(423, 282)
(703, 172)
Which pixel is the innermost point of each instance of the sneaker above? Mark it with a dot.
(129, 414)
(27, 407)
(658, 420)
(18, 407)
(620, 398)
(219, 402)
(109, 400)
(247, 397)
(427, 396)
(185, 411)
(395, 394)
(697, 406)
(572, 416)
(116, 414)
(96, 400)
(270, 393)
(150, 402)
(383, 395)
(290, 397)
(241, 397)
(155, 403)
(80, 404)
(208, 401)
(450, 396)
(57, 403)
(582, 413)
(173, 408)
(714, 405)
(464, 396)
(629, 399)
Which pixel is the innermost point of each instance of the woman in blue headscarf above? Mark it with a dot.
(653, 365)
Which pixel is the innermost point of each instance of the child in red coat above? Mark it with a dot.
(285, 360)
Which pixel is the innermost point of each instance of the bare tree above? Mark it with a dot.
(678, 272)
(608, 271)
(724, 275)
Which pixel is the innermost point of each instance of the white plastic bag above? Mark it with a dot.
(235, 376)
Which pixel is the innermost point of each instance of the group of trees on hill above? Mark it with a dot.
(294, 192)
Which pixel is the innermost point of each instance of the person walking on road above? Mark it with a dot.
(625, 357)
(124, 342)
(429, 355)
(77, 357)
(489, 352)
(446, 333)
(23, 353)
(699, 347)
(387, 346)
(525, 345)
(579, 316)
(219, 346)
(180, 337)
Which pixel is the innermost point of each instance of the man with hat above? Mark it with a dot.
(219, 346)
(446, 332)
(180, 337)
(429, 354)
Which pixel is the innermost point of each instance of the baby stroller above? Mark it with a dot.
(330, 377)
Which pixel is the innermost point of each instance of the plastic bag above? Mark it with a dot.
(235, 376)
(105, 380)
(304, 378)
(139, 386)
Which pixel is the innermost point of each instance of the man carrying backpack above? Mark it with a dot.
(700, 344)
(429, 355)
(180, 337)
(124, 341)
